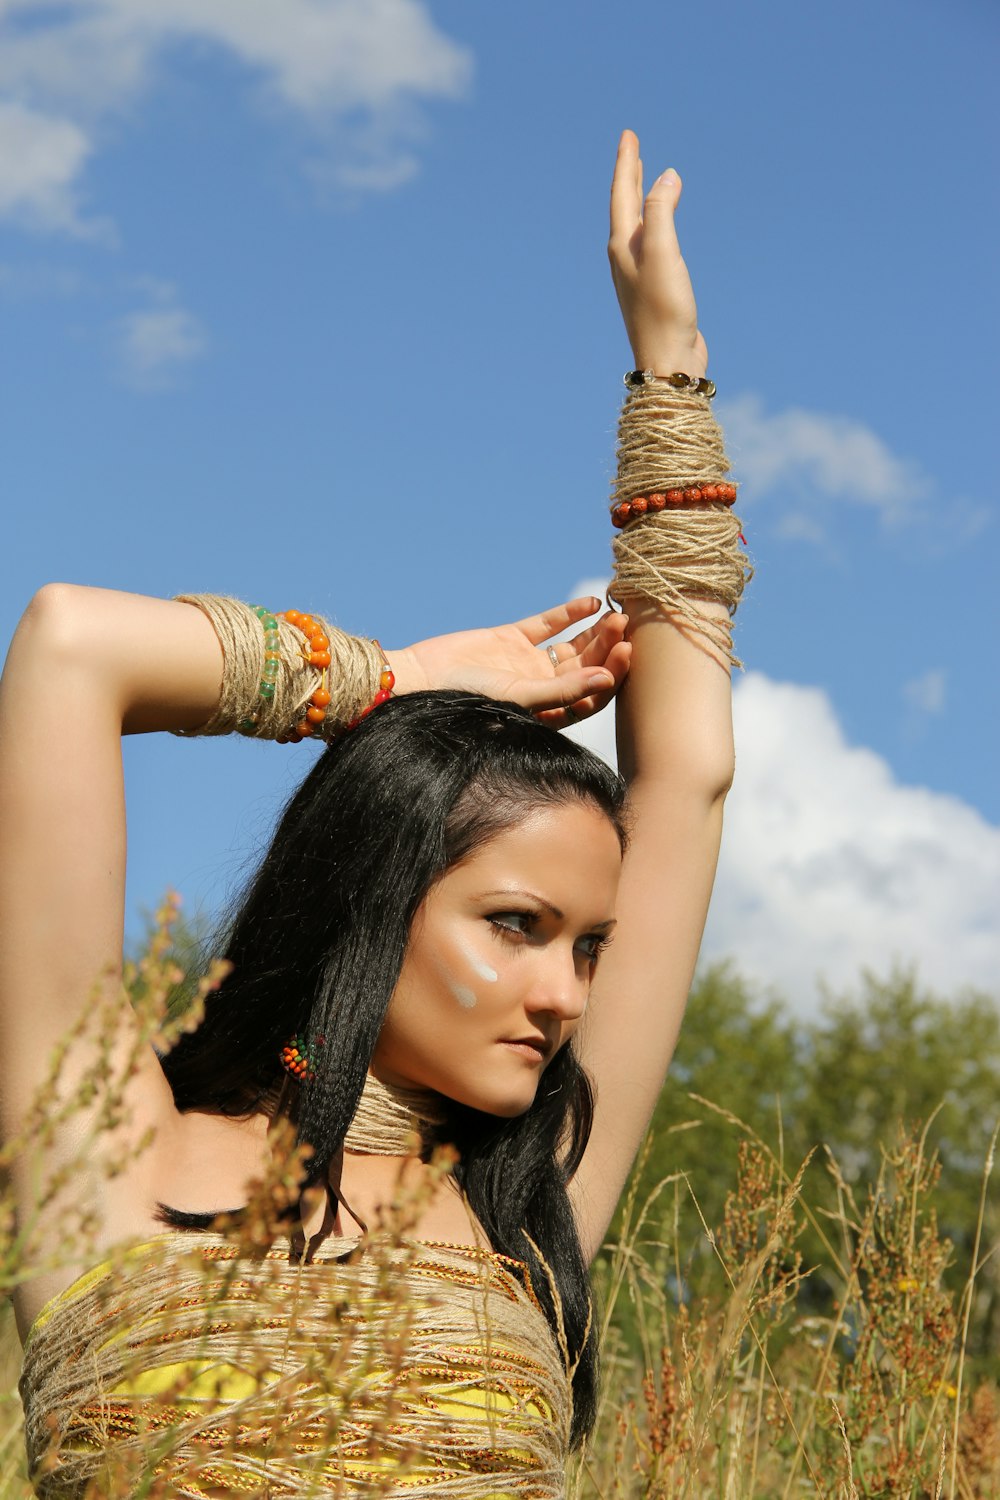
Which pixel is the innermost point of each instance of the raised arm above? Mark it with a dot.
(104, 662)
(675, 748)
(120, 663)
(111, 662)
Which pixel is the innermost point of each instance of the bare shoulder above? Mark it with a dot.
(197, 1163)
(89, 1181)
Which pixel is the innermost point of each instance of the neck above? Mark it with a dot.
(391, 1121)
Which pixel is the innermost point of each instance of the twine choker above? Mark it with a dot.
(388, 1119)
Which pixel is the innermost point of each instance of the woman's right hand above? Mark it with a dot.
(648, 270)
(507, 662)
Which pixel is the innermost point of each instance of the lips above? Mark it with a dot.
(537, 1044)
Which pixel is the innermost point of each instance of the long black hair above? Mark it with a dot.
(318, 939)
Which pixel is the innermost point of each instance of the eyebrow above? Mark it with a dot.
(552, 910)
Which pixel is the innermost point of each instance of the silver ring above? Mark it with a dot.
(550, 652)
(572, 717)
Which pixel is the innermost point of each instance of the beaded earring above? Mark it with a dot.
(299, 1058)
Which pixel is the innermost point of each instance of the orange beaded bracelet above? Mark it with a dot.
(693, 494)
(318, 655)
(316, 652)
(386, 683)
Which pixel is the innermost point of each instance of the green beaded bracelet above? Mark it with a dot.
(272, 664)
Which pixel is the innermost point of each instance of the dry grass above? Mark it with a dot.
(727, 1386)
(720, 1379)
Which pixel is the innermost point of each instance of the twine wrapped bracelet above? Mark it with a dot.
(291, 676)
(679, 539)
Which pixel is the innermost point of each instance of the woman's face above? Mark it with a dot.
(500, 961)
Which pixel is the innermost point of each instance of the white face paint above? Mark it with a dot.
(478, 965)
(465, 997)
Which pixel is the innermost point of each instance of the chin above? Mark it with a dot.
(509, 1110)
(504, 1106)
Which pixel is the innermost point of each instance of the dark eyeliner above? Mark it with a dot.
(599, 940)
(504, 930)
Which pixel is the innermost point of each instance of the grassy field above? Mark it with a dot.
(725, 1372)
(732, 1386)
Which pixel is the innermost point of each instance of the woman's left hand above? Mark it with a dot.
(561, 683)
(648, 270)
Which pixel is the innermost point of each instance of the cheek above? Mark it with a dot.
(478, 961)
(471, 971)
(450, 990)
(467, 974)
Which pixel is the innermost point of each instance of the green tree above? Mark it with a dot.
(841, 1084)
(894, 1052)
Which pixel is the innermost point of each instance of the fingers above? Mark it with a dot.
(632, 218)
(602, 645)
(593, 644)
(591, 647)
(575, 713)
(659, 230)
(591, 702)
(626, 189)
(539, 628)
(617, 662)
(568, 687)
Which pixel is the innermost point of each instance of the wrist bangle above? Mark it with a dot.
(699, 384)
(289, 676)
(678, 541)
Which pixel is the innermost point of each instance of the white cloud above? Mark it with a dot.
(795, 456)
(829, 864)
(927, 693)
(41, 157)
(64, 69)
(154, 342)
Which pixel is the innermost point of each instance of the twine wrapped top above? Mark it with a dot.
(425, 1370)
(381, 1364)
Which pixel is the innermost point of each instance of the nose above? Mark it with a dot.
(559, 986)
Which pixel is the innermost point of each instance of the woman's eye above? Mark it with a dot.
(511, 923)
(593, 944)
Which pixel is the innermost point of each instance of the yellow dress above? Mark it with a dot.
(399, 1368)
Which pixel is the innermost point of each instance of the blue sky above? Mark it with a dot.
(308, 302)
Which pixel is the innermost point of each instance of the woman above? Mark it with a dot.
(431, 914)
